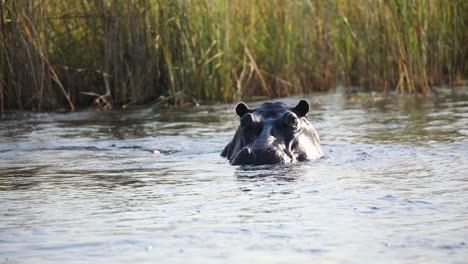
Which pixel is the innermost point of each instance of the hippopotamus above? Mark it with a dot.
(274, 133)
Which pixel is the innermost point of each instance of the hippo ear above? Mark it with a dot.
(301, 108)
(242, 109)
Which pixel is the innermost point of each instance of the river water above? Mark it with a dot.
(148, 185)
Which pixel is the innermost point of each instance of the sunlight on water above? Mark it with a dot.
(149, 185)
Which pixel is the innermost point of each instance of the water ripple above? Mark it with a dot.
(149, 184)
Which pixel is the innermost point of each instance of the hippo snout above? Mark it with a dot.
(271, 155)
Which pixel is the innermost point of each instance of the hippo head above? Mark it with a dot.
(273, 133)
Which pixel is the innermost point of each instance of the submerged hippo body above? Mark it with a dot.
(274, 133)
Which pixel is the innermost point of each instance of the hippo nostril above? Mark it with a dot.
(274, 155)
(246, 152)
(244, 156)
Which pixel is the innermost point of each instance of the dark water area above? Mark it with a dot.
(148, 185)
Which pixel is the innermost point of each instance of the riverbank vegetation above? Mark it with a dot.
(75, 53)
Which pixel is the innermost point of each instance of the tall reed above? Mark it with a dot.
(67, 54)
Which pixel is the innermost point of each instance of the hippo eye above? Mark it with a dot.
(247, 120)
(250, 125)
(291, 120)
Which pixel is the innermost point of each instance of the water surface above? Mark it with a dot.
(148, 185)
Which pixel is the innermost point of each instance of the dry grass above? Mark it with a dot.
(57, 54)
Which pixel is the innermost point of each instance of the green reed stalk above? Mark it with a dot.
(57, 54)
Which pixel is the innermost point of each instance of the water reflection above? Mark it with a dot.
(414, 119)
(277, 173)
(20, 178)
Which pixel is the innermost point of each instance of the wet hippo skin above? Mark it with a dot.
(273, 133)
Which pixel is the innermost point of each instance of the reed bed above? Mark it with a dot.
(76, 53)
